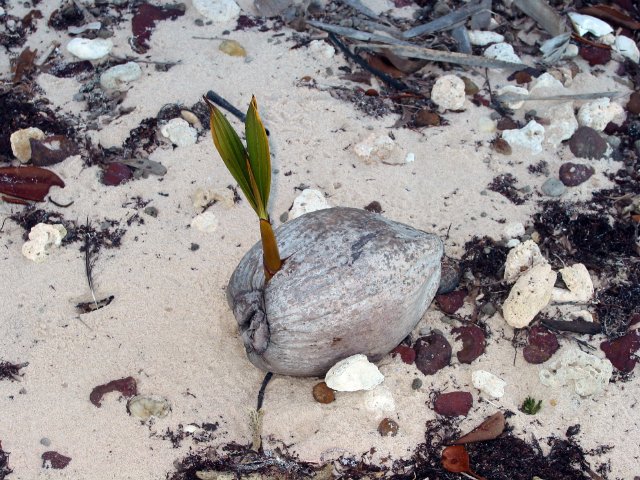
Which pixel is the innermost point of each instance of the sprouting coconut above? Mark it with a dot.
(351, 281)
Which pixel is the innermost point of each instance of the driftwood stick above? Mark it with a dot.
(221, 102)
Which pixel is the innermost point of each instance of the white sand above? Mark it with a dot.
(170, 326)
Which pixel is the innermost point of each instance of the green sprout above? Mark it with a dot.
(251, 169)
(530, 406)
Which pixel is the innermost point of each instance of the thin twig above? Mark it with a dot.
(88, 264)
(263, 387)
(392, 82)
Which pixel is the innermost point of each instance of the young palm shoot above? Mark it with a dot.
(251, 169)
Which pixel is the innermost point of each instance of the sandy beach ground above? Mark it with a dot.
(169, 326)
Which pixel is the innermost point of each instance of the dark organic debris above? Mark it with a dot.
(451, 302)
(622, 351)
(616, 305)
(28, 183)
(11, 371)
(501, 146)
(68, 15)
(52, 150)
(578, 325)
(491, 428)
(573, 174)
(504, 184)
(69, 70)
(433, 353)
(126, 386)
(116, 174)
(542, 344)
(473, 342)
(54, 460)
(374, 207)
(4, 463)
(144, 21)
(595, 55)
(453, 404)
(482, 266)
(407, 354)
(92, 306)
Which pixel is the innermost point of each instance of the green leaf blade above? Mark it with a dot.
(232, 152)
(259, 155)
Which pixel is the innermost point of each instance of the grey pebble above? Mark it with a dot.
(449, 276)
(613, 141)
(45, 441)
(151, 211)
(553, 187)
(636, 145)
(416, 384)
(488, 309)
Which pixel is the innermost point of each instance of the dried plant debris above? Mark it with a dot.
(482, 266)
(4, 463)
(27, 183)
(505, 184)
(11, 371)
(126, 386)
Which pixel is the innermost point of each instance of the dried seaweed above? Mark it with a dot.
(10, 371)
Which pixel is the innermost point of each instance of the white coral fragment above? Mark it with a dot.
(42, 238)
(587, 373)
(529, 295)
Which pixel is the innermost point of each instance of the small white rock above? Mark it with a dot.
(321, 49)
(206, 222)
(530, 294)
(502, 51)
(218, 11)
(42, 238)
(626, 47)
(587, 373)
(529, 137)
(448, 92)
(546, 83)
(146, 406)
(483, 37)
(487, 125)
(117, 78)
(20, 145)
(563, 123)
(352, 374)
(309, 200)
(577, 279)
(588, 24)
(204, 198)
(513, 90)
(90, 49)
(379, 400)
(521, 259)
(599, 113)
(411, 157)
(179, 132)
(585, 315)
(375, 147)
(514, 242)
(488, 383)
(513, 230)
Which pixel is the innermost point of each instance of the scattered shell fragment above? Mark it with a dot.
(232, 48)
(379, 400)
(352, 374)
(588, 24)
(90, 49)
(42, 239)
(578, 281)
(598, 113)
(179, 132)
(522, 258)
(530, 294)
(488, 383)
(309, 200)
(448, 92)
(375, 148)
(587, 373)
(147, 406)
(502, 51)
(513, 90)
(626, 47)
(206, 222)
(20, 145)
(322, 49)
(529, 137)
(118, 77)
(483, 38)
(219, 11)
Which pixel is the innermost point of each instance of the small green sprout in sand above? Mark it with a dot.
(530, 406)
(251, 168)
